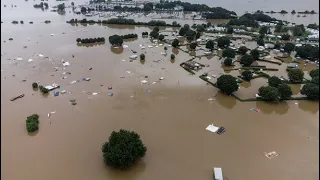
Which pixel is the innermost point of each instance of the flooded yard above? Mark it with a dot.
(170, 112)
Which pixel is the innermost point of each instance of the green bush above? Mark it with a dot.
(274, 81)
(227, 62)
(247, 75)
(115, 40)
(32, 123)
(193, 46)
(165, 48)
(311, 91)
(227, 84)
(269, 93)
(123, 149)
(285, 91)
(260, 42)
(34, 85)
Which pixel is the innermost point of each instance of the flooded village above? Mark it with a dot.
(157, 90)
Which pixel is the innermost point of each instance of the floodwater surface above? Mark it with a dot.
(170, 114)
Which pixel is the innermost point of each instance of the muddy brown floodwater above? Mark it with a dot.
(171, 118)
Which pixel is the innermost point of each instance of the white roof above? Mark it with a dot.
(218, 173)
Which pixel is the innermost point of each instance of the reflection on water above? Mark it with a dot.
(245, 84)
(226, 101)
(309, 106)
(117, 50)
(90, 44)
(142, 61)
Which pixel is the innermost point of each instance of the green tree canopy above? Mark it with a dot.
(269, 93)
(295, 75)
(229, 53)
(175, 43)
(227, 84)
(246, 60)
(314, 73)
(288, 47)
(210, 45)
(260, 42)
(274, 81)
(247, 75)
(223, 42)
(161, 37)
(115, 40)
(311, 91)
(123, 149)
(243, 50)
(255, 54)
(227, 62)
(285, 91)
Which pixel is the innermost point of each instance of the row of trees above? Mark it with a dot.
(245, 60)
(250, 20)
(42, 5)
(308, 52)
(123, 21)
(189, 33)
(90, 40)
(216, 12)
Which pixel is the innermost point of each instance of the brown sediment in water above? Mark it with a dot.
(171, 119)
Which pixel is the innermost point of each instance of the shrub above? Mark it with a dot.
(154, 34)
(247, 75)
(229, 53)
(175, 43)
(243, 50)
(285, 91)
(123, 149)
(142, 57)
(246, 60)
(145, 33)
(255, 54)
(227, 62)
(32, 123)
(34, 85)
(210, 45)
(227, 84)
(295, 75)
(311, 91)
(274, 81)
(165, 48)
(78, 40)
(156, 29)
(269, 93)
(314, 73)
(172, 56)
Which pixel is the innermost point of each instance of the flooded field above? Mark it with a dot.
(170, 114)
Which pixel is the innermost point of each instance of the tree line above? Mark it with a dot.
(90, 40)
(122, 21)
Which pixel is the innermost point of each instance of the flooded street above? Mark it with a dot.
(170, 115)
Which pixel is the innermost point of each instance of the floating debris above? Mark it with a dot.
(271, 155)
(110, 94)
(17, 97)
(144, 81)
(30, 60)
